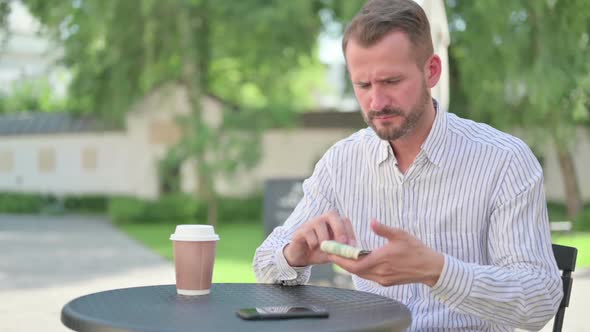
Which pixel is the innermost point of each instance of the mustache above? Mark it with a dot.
(385, 112)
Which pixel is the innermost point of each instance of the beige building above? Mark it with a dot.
(60, 154)
(63, 155)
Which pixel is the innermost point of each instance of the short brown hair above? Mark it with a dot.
(378, 18)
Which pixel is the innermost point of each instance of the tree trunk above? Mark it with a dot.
(204, 47)
(573, 197)
(212, 209)
(190, 24)
(203, 59)
(205, 190)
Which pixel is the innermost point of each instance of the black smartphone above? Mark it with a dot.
(282, 312)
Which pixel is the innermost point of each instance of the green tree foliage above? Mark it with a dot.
(33, 95)
(525, 64)
(4, 11)
(248, 52)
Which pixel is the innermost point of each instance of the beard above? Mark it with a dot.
(392, 132)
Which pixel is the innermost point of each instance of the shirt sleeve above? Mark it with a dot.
(521, 287)
(270, 265)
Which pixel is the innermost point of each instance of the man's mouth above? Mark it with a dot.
(385, 114)
(385, 117)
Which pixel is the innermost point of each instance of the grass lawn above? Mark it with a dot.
(238, 242)
(580, 240)
(235, 249)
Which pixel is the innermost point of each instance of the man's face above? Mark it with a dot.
(389, 85)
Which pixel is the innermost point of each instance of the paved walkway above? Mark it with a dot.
(47, 261)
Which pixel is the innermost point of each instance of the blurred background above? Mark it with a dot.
(139, 115)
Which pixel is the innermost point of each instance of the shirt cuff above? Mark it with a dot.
(455, 282)
(287, 273)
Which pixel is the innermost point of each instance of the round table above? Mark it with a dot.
(159, 308)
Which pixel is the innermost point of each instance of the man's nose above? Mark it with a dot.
(379, 99)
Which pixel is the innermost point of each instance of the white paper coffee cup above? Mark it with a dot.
(194, 233)
(194, 257)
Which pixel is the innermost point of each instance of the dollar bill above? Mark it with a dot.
(343, 250)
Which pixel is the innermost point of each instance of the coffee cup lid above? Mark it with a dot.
(194, 233)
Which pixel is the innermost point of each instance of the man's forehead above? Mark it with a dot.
(394, 47)
(395, 39)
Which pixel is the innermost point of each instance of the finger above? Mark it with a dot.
(312, 239)
(362, 265)
(386, 232)
(299, 237)
(345, 263)
(322, 234)
(367, 268)
(349, 232)
(337, 226)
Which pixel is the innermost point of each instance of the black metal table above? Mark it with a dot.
(159, 308)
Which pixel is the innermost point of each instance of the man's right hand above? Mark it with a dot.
(304, 248)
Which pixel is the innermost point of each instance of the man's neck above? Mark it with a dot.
(407, 148)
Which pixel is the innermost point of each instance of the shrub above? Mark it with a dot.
(240, 209)
(172, 208)
(24, 203)
(557, 211)
(582, 221)
(89, 203)
(126, 209)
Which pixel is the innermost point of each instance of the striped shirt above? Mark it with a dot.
(473, 193)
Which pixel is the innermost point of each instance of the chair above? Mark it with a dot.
(566, 262)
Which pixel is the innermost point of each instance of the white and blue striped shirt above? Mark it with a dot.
(473, 193)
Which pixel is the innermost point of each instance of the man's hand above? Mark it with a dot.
(404, 259)
(304, 248)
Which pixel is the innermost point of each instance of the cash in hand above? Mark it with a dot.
(343, 250)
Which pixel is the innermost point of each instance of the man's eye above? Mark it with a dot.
(363, 85)
(392, 82)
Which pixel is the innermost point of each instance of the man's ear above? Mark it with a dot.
(432, 70)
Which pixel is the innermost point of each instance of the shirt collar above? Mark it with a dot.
(384, 150)
(433, 146)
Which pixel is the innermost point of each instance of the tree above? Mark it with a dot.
(247, 52)
(4, 11)
(31, 95)
(525, 63)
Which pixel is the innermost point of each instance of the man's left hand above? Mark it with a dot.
(404, 259)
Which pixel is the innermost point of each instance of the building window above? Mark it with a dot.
(89, 159)
(47, 160)
(164, 132)
(6, 161)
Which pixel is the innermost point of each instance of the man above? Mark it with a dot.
(453, 211)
